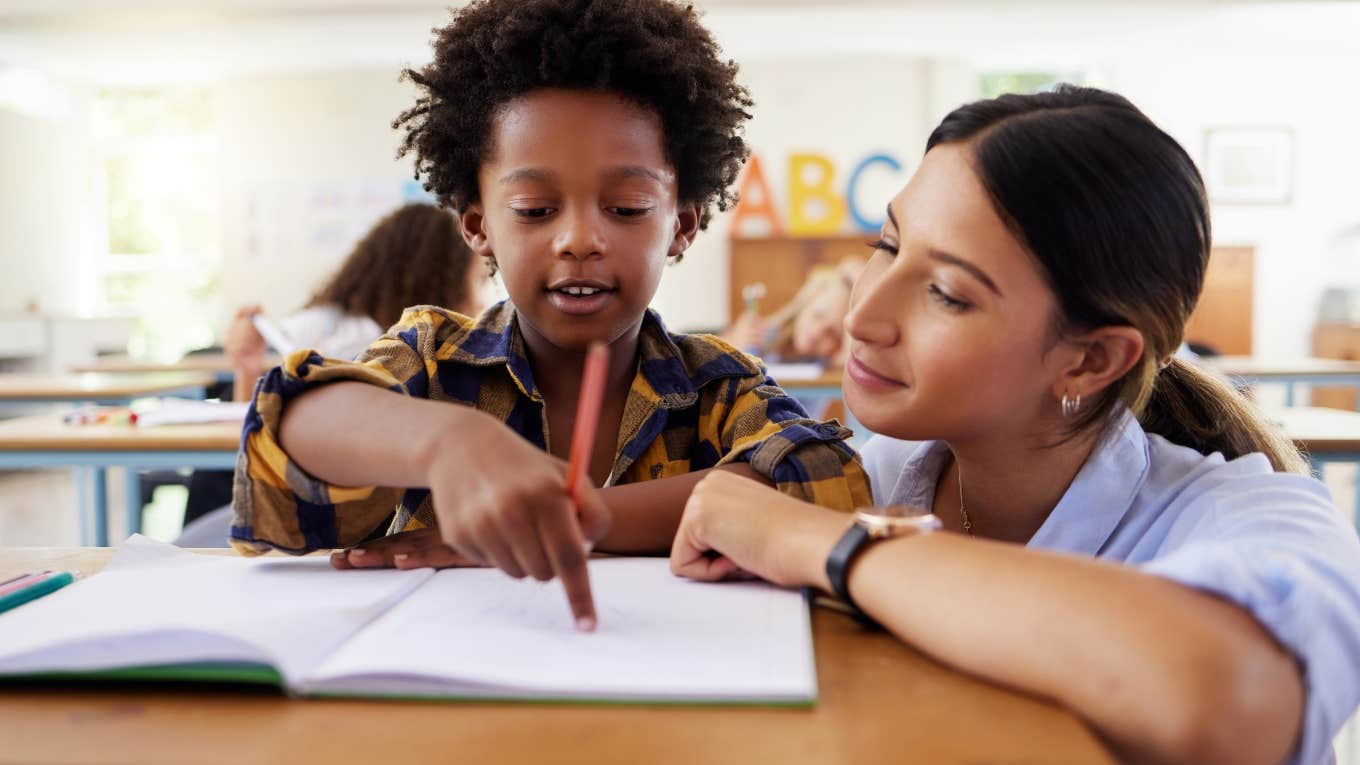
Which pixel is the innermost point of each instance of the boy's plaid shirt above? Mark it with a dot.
(695, 403)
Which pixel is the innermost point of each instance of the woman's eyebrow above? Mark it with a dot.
(954, 260)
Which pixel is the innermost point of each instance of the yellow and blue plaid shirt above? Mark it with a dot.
(695, 403)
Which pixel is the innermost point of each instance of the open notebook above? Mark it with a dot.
(157, 611)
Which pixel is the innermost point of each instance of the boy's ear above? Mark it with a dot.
(686, 228)
(1103, 356)
(473, 224)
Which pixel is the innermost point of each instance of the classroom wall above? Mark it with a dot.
(47, 205)
(839, 108)
(308, 164)
(1296, 249)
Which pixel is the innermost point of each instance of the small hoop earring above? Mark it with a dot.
(1070, 406)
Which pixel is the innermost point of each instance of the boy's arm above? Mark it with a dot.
(352, 433)
(646, 514)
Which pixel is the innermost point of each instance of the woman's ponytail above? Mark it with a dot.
(1192, 407)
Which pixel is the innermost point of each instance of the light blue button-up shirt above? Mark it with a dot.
(1271, 542)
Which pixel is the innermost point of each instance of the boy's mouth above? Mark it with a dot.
(579, 296)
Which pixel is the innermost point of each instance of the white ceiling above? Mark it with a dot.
(135, 41)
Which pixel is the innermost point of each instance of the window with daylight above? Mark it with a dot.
(163, 200)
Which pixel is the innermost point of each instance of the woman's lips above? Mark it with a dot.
(865, 377)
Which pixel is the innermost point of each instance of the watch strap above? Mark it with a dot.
(842, 555)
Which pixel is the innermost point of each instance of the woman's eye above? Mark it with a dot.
(879, 244)
(946, 300)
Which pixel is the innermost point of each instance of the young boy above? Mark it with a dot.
(584, 143)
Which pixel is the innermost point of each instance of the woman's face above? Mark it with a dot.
(950, 323)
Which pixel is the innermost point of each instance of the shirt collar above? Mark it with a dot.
(672, 375)
(1101, 494)
(1090, 510)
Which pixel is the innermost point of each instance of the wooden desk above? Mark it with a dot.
(879, 702)
(44, 441)
(1324, 435)
(205, 362)
(101, 388)
(1252, 370)
(216, 364)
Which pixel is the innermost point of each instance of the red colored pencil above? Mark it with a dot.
(587, 415)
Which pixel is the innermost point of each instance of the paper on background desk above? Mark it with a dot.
(795, 371)
(181, 411)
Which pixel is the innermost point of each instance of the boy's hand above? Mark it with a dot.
(501, 502)
(409, 549)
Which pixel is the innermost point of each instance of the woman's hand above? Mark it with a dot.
(734, 527)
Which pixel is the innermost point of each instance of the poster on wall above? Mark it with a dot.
(1249, 165)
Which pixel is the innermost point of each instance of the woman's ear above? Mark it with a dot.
(1105, 355)
(472, 222)
(686, 228)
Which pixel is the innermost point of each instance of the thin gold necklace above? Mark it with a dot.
(967, 524)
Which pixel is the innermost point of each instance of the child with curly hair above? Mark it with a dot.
(584, 143)
(421, 253)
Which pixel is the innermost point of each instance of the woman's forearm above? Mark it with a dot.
(1164, 672)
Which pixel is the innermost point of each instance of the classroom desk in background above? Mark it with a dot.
(1253, 370)
(43, 441)
(216, 364)
(879, 701)
(101, 388)
(1325, 436)
(817, 390)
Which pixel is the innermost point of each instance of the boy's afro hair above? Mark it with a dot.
(652, 52)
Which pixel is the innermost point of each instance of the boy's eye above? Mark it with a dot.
(629, 212)
(947, 301)
(879, 244)
(531, 212)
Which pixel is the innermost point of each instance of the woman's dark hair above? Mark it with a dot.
(654, 53)
(1114, 212)
(414, 256)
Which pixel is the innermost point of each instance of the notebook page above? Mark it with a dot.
(158, 604)
(478, 632)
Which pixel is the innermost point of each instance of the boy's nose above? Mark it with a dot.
(580, 236)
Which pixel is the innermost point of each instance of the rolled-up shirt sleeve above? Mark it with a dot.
(278, 505)
(1276, 546)
(802, 457)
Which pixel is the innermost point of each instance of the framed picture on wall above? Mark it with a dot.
(1249, 165)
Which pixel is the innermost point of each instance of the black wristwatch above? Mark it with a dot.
(872, 524)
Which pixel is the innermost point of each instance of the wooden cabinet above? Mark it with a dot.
(1222, 318)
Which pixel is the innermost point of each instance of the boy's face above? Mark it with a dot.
(578, 206)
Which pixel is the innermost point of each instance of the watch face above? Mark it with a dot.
(895, 520)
